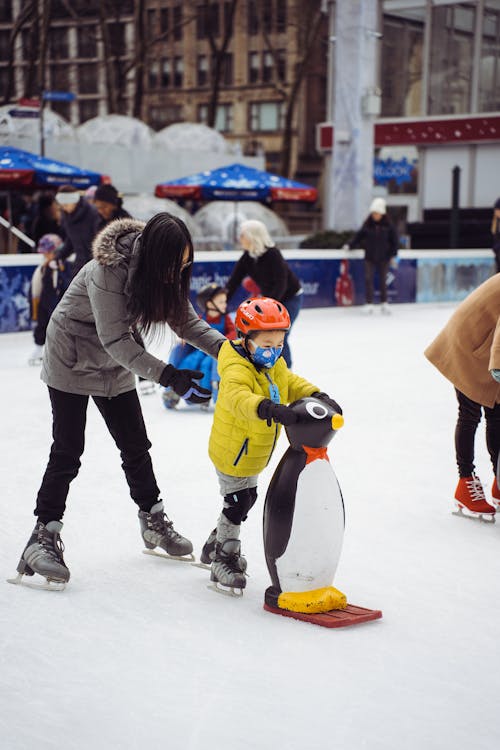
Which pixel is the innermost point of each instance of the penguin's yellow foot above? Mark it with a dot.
(317, 600)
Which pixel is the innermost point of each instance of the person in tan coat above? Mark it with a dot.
(467, 353)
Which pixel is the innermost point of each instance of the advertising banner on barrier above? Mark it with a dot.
(325, 282)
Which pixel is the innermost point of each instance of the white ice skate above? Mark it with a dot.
(36, 356)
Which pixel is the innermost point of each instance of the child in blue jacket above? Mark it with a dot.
(212, 303)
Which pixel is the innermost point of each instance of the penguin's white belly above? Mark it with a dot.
(313, 550)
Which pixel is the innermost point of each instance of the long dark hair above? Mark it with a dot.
(159, 288)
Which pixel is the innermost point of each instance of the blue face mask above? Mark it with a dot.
(263, 357)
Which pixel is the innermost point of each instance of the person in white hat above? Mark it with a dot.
(379, 240)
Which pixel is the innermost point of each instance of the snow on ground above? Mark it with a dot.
(138, 653)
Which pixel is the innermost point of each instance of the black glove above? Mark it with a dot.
(327, 400)
(183, 382)
(276, 412)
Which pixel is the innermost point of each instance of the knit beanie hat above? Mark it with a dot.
(378, 206)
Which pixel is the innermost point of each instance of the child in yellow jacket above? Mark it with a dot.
(255, 388)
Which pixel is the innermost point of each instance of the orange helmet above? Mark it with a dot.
(261, 314)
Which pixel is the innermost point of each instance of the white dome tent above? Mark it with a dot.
(144, 207)
(222, 219)
(116, 130)
(20, 123)
(191, 136)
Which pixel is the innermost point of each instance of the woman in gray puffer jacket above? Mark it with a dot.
(139, 278)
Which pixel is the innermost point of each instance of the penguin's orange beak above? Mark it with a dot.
(337, 421)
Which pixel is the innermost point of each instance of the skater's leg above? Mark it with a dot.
(69, 412)
(369, 274)
(469, 416)
(293, 305)
(492, 416)
(124, 420)
(382, 274)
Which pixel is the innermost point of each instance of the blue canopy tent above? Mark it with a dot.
(21, 170)
(237, 182)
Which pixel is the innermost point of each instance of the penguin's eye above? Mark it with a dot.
(318, 411)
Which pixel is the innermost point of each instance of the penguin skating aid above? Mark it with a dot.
(304, 525)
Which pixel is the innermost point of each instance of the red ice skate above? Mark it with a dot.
(495, 493)
(470, 497)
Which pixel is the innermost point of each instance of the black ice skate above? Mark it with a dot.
(43, 555)
(228, 568)
(158, 531)
(208, 554)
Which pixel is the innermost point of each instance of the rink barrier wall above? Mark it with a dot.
(327, 280)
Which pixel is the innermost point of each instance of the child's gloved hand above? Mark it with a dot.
(183, 382)
(276, 412)
(327, 400)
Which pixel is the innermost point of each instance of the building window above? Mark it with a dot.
(281, 64)
(6, 11)
(87, 109)
(178, 72)
(267, 15)
(489, 64)
(207, 20)
(165, 73)
(267, 67)
(280, 16)
(58, 43)
(402, 64)
(202, 70)
(164, 20)
(253, 67)
(223, 117)
(4, 44)
(59, 77)
(87, 41)
(87, 78)
(117, 44)
(451, 59)
(227, 70)
(160, 117)
(253, 18)
(4, 78)
(228, 19)
(266, 116)
(153, 74)
(177, 14)
(151, 22)
(62, 108)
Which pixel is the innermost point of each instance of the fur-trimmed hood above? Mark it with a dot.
(113, 244)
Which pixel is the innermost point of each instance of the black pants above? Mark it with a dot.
(469, 416)
(382, 268)
(123, 417)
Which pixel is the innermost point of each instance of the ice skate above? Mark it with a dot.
(368, 309)
(226, 571)
(495, 493)
(36, 356)
(170, 398)
(208, 554)
(158, 531)
(385, 309)
(43, 555)
(471, 501)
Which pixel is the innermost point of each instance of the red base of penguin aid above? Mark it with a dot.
(336, 618)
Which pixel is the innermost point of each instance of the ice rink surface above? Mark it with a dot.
(138, 653)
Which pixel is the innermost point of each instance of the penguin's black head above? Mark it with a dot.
(317, 423)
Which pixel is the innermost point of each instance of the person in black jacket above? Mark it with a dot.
(265, 265)
(80, 223)
(379, 240)
(109, 204)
